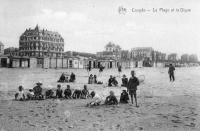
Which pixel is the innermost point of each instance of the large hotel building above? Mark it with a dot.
(41, 43)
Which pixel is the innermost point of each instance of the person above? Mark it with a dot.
(132, 87)
(38, 91)
(77, 94)
(85, 92)
(92, 94)
(111, 99)
(95, 79)
(59, 91)
(124, 97)
(49, 94)
(62, 78)
(96, 101)
(114, 83)
(90, 79)
(171, 72)
(88, 68)
(119, 69)
(110, 81)
(72, 77)
(30, 94)
(101, 68)
(20, 94)
(124, 81)
(68, 92)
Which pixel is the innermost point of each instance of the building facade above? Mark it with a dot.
(172, 57)
(11, 51)
(1, 48)
(41, 43)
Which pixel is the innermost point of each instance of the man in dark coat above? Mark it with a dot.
(132, 87)
(171, 72)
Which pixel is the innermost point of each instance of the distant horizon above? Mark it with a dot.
(88, 26)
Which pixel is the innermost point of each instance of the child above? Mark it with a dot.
(59, 91)
(20, 95)
(85, 92)
(38, 91)
(68, 92)
(124, 97)
(49, 94)
(110, 81)
(77, 94)
(30, 94)
(124, 81)
(111, 99)
(90, 79)
(72, 77)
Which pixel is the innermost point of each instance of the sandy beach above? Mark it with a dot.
(163, 105)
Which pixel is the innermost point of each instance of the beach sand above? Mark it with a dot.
(163, 105)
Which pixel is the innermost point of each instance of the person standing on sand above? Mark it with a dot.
(171, 72)
(132, 87)
(119, 69)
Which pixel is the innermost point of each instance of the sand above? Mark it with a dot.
(163, 105)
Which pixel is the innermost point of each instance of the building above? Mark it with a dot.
(111, 51)
(11, 51)
(193, 58)
(159, 56)
(184, 58)
(142, 55)
(1, 48)
(41, 43)
(172, 57)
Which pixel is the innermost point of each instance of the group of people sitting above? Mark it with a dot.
(36, 93)
(33, 94)
(110, 100)
(64, 78)
(112, 81)
(93, 80)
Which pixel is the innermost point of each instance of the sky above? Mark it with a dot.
(88, 25)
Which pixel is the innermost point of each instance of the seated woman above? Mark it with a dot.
(72, 77)
(124, 81)
(30, 94)
(90, 79)
(85, 92)
(20, 94)
(38, 91)
(68, 92)
(49, 94)
(124, 97)
(111, 99)
(59, 91)
(62, 78)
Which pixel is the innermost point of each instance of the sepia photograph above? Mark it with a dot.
(99, 65)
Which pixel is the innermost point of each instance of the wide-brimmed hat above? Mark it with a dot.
(124, 75)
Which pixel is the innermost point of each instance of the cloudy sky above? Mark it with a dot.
(87, 25)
